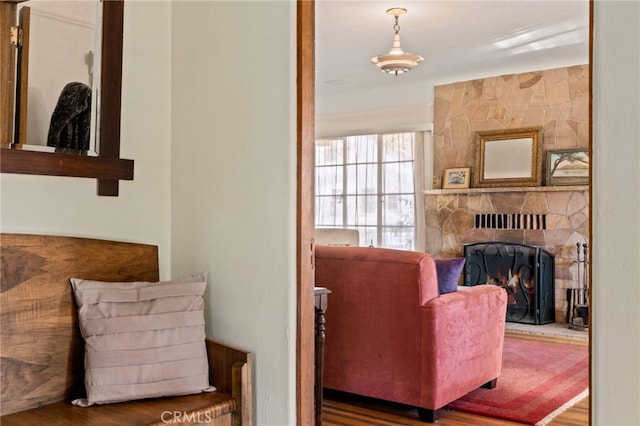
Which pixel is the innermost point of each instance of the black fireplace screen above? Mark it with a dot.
(526, 273)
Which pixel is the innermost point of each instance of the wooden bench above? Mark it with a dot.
(42, 350)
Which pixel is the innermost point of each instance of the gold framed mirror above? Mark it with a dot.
(511, 157)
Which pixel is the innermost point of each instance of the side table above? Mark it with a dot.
(321, 295)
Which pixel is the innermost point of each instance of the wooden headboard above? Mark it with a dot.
(40, 342)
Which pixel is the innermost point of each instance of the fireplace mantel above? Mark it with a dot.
(507, 189)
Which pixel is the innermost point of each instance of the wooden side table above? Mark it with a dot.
(321, 296)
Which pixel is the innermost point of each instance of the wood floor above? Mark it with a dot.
(339, 409)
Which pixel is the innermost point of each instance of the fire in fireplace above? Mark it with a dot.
(526, 273)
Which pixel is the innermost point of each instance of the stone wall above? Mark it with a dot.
(556, 99)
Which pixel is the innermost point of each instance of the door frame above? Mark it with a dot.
(305, 74)
(305, 312)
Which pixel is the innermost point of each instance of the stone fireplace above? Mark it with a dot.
(553, 218)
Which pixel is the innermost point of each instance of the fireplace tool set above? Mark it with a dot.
(578, 298)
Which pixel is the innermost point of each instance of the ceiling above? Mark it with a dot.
(459, 40)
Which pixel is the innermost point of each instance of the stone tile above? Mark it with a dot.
(533, 116)
(457, 101)
(498, 111)
(534, 237)
(557, 202)
(514, 123)
(462, 220)
(562, 273)
(558, 237)
(486, 205)
(557, 221)
(472, 91)
(432, 220)
(477, 110)
(529, 79)
(577, 71)
(444, 91)
(535, 203)
(430, 203)
(566, 137)
(518, 101)
(441, 109)
(460, 129)
(510, 236)
(580, 108)
(583, 135)
(451, 246)
(433, 243)
(448, 202)
(508, 202)
(578, 220)
(489, 88)
(449, 227)
(577, 203)
(443, 217)
(477, 235)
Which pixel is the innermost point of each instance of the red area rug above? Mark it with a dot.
(539, 380)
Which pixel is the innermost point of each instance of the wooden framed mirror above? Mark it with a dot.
(509, 157)
(107, 166)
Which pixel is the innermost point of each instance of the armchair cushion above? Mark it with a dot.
(449, 271)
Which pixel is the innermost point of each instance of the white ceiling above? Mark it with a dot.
(459, 40)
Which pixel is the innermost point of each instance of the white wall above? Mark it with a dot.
(615, 361)
(233, 186)
(70, 206)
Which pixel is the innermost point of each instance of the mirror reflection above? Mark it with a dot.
(58, 68)
(510, 157)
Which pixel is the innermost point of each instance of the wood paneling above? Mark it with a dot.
(40, 343)
(7, 67)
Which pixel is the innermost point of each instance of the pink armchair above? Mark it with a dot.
(391, 336)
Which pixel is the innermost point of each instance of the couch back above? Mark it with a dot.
(337, 237)
(374, 317)
(41, 346)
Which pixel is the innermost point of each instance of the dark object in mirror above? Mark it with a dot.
(70, 125)
(107, 167)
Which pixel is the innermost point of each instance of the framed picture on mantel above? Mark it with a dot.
(567, 167)
(456, 178)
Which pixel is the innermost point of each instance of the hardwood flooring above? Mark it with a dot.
(340, 409)
(343, 410)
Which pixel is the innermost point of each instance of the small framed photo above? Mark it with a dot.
(456, 178)
(567, 167)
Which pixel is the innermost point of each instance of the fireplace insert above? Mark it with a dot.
(526, 273)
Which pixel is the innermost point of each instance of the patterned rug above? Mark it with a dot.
(539, 380)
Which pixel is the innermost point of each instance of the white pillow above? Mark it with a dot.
(142, 340)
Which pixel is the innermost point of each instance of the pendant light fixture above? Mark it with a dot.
(397, 61)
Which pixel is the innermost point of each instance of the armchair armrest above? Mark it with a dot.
(231, 373)
(464, 332)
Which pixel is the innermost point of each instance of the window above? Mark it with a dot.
(367, 182)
